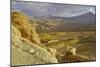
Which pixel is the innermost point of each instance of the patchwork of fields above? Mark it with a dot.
(83, 41)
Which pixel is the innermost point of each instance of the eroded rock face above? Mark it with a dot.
(22, 23)
(26, 47)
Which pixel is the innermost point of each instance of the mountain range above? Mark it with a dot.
(82, 22)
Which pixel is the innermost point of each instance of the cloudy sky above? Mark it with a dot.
(37, 9)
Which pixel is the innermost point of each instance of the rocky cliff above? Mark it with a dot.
(26, 45)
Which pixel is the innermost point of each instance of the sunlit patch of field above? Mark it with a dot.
(83, 41)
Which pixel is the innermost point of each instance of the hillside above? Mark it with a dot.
(30, 46)
(26, 45)
(84, 22)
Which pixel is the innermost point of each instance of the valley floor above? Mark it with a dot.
(80, 42)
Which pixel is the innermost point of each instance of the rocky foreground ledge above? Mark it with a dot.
(26, 45)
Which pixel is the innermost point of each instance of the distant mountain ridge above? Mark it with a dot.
(87, 17)
(82, 22)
